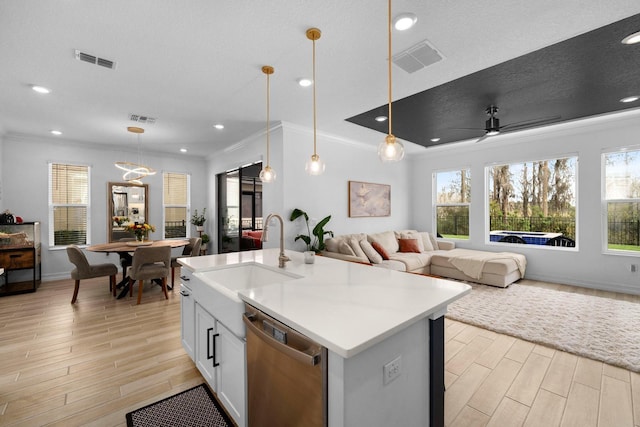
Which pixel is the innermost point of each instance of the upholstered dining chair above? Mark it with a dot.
(150, 263)
(192, 249)
(84, 270)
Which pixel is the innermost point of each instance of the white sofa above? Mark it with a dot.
(421, 253)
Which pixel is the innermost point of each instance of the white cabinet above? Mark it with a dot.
(188, 323)
(220, 357)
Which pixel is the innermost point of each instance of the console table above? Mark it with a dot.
(20, 252)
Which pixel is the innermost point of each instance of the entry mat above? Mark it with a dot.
(194, 407)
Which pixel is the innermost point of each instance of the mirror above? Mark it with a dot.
(128, 203)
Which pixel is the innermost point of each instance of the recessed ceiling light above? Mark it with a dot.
(630, 99)
(305, 82)
(381, 118)
(183, 150)
(404, 21)
(56, 132)
(219, 126)
(632, 38)
(435, 139)
(40, 89)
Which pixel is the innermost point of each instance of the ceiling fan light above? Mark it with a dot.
(632, 38)
(404, 21)
(391, 150)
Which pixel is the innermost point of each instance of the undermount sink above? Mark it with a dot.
(221, 294)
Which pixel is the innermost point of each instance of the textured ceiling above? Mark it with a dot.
(584, 76)
(193, 64)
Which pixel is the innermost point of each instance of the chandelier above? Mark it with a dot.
(134, 172)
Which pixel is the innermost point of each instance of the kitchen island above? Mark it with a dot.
(368, 319)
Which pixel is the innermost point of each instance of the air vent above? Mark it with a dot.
(417, 57)
(92, 59)
(142, 119)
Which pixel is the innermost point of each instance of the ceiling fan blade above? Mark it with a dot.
(482, 138)
(533, 122)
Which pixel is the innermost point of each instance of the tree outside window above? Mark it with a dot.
(622, 200)
(534, 197)
(453, 196)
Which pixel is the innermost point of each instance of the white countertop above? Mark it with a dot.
(346, 307)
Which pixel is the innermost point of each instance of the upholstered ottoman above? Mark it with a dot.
(490, 268)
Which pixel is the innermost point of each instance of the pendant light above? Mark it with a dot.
(314, 165)
(390, 150)
(134, 172)
(267, 174)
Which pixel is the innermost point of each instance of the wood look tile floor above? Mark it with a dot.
(90, 363)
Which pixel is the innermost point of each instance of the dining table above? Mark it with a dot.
(125, 250)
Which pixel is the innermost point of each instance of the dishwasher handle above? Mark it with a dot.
(299, 355)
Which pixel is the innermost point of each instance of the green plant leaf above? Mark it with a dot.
(297, 213)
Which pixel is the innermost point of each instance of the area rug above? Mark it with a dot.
(598, 328)
(193, 407)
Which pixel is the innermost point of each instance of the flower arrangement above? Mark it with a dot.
(198, 220)
(140, 230)
(119, 220)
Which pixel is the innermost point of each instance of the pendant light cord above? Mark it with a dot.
(314, 96)
(268, 96)
(389, 61)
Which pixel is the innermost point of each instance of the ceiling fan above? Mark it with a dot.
(492, 125)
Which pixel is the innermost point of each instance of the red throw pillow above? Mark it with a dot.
(408, 245)
(378, 247)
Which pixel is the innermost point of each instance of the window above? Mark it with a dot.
(176, 204)
(68, 204)
(622, 201)
(453, 196)
(533, 202)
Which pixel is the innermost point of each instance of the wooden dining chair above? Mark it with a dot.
(192, 249)
(150, 263)
(84, 270)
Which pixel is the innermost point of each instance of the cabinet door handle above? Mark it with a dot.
(184, 293)
(214, 350)
(15, 255)
(209, 355)
(185, 278)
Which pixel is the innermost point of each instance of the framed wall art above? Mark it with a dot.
(369, 200)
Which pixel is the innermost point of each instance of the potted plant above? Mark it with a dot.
(198, 220)
(205, 239)
(314, 239)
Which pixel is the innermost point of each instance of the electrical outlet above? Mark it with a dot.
(633, 268)
(392, 370)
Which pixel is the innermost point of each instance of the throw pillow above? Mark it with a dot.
(426, 241)
(386, 239)
(355, 245)
(378, 247)
(409, 245)
(345, 249)
(413, 235)
(371, 253)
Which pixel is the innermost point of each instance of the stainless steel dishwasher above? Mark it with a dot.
(286, 374)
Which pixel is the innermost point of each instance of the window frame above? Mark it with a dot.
(604, 202)
(187, 206)
(52, 206)
(436, 205)
(487, 200)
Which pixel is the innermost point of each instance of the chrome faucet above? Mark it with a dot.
(282, 258)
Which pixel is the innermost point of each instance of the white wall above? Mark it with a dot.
(588, 265)
(319, 196)
(25, 173)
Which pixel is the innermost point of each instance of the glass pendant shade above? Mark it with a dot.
(390, 150)
(314, 165)
(267, 174)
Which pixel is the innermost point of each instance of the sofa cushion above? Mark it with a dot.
(386, 239)
(409, 245)
(344, 248)
(381, 250)
(434, 241)
(331, 244)
(412, 260)
(401, 232)
(503, 263)
(371, 253)
(412, 235)
(357, 249)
